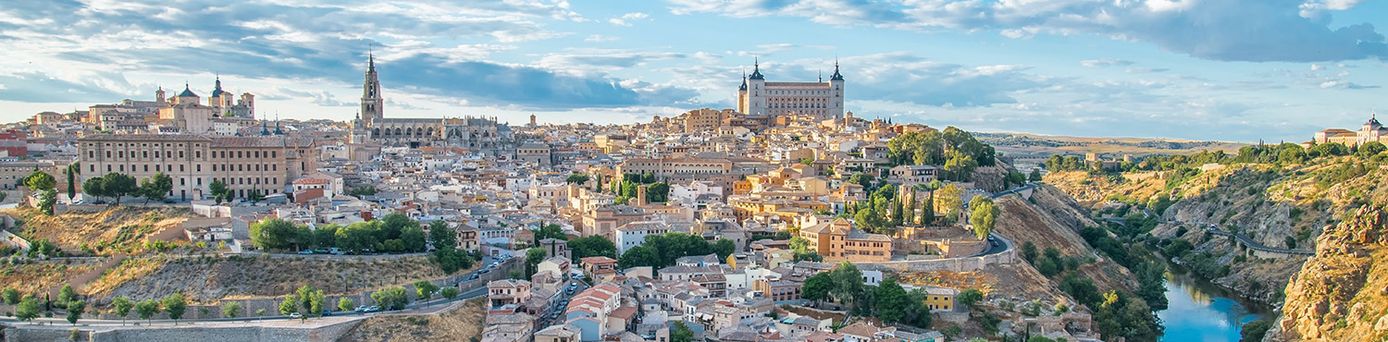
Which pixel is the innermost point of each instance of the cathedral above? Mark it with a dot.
(822, 100)
(477, 134)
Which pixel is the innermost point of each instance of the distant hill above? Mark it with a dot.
(1026, 145)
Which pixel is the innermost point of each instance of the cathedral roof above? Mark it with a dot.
(1373, 121)
(217, 91)
(187, 92)
(836, 76)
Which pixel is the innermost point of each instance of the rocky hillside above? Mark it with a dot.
(1051, 220)
(1341, 294)
(461, 321)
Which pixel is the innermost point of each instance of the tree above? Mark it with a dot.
(220, 192)
(231, 310)
(1029, 251)
(658, 193)
(817, 287)
(66, 294)
(441, 235)
(117, 185)
(146, 309)
(425, 289)
(641, 255)
(891, 302)
(848, 283)
(10, 296)
(72, 181)
(75, 309)
(807, 256)
(799, 244)
(681, 333)
(413, 237)
(39, 180)
(47, 199)
(28, 309)
(576, 178)
(315, 303)
(278, 234)
(592, 246)
(95, 186)
(289, 305)
(724, 248)
(1035, 175)
(550, 231)
(345, 304)
(175, 305)
(451, 260)
(121, 307)
(449, 292)
(983, 215)
(948, 200)
(156, 187)
(533, 257)
(968, 298)
(392, 298)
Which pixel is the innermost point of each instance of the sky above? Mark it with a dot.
(1233, 70)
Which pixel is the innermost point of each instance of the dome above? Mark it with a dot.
(187, 92)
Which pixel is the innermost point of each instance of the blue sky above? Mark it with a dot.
(1239, 70)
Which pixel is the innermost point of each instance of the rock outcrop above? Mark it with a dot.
(1341, 294)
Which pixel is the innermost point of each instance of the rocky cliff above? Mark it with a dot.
(1341, 293)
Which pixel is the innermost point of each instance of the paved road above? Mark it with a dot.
(1243, 239)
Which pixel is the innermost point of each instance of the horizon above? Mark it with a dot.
(1237, 71)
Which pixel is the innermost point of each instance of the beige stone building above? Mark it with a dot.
(1372, 130)
(839, 240)
(258, 164)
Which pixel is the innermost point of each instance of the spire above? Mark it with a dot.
(370, 60)
(836, 76)
(743, 87)
(756, 70)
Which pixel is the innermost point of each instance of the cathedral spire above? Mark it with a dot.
(756, 69)
(836, 76)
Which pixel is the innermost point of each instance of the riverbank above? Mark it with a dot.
(1199, 310)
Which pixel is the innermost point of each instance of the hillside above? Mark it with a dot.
(462, 321)
(1030, 145)
(208, 279)
(1048, 220)
(1342, 292)
(115, 230)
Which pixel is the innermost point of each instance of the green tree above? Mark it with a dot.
(117, 185)
(449, 292)
(345, 304)
(278, 234)
(121, 307)
(220, 192)
(533, 257)
(316, 303)
(799, 244)
(550, 231)
(66, 294)
(47, 199)
(39, 180)
(156, 188)
(948, 200)
(414, 238)
(658, 193)
(681, 333)
(983, 215)
(75, 309)
(425, 289)
(441, 235)
(289, 305)
(1029, 252)
(848, 283)
(72, 181)
(968, 298)
(592, 246)
(146, 309)
(891, 302)
(724, 248)
(451, 260)
(1035, 175)
(231, 310)
(175, 305)
(95, 186)
(641, 255)
(576, 178)
(10, 296)
(817, 287)
(392, 298)
(28, 309)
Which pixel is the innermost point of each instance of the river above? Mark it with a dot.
(1201, 312)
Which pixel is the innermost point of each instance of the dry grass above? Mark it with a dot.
(118, 230)
(209, 279)
(42, 276)
(461, 322)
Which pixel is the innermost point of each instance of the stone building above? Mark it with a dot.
(1372, 130)
(248, 165)
(822, 100)
(477, 134)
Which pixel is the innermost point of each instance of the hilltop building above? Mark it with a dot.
(1372, 130)
(478, 134)
(823, 100)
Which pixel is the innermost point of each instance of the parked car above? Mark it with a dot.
(295, 315)
(360, 308)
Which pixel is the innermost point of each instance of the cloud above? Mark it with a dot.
(492, 83)
(587, 61)
(38, 87)
(1231, 30)
(1095, 63)
(627, 19)
(598, 38)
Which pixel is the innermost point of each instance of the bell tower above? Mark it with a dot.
(371, 101)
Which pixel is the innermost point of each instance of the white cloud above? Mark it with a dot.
(628, 18)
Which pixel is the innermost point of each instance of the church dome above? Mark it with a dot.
(187, 92)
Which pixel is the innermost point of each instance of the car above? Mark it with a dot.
(360, 308)
(373, 308)
(296, 315)
(306, 252)
(327, 312)
(570, 290)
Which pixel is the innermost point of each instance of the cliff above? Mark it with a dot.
(1342, 292)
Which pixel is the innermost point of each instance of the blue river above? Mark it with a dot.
(1200, 312)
